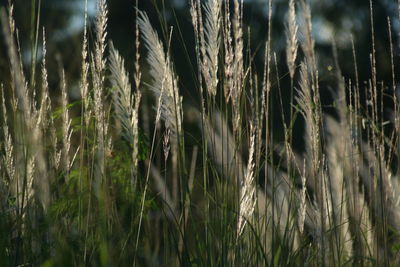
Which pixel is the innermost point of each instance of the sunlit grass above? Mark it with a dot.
(132, 174)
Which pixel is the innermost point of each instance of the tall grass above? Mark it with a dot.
(86, 186)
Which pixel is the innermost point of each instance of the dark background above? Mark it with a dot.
(338, 20)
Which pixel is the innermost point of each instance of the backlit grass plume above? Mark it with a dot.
(164, 80)
(291, 43)
(212, 33)
(126, 103)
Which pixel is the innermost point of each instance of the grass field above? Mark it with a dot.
(135, 174)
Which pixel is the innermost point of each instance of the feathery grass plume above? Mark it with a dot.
(83, 84)
(138, 73)
(43, 125)
(98, 75)
(305, 101)
(195, 13)
(122, 97)
(200, 24)
(45, 104)
(162, 76)
(8, 157)
(338, 150)
(212, 41)
(126, 104)
(30, 176)
(394, 117)
(238, 68)
(27, 115)
(85, 111)
(291, 35)
(165, 89)
(166, 144)
(308, 101)
(312, 73)
(266, 86)
(98, 68)
(247, 189)
(373, 55)
(229, 53)
(201, 49)
(41, 181)
(308, 105)
(303, 203)
(56, 159)
(19, 84)
(195, 19)
(101, 35)
(307, 43)
(66, 122)
(309, 90)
